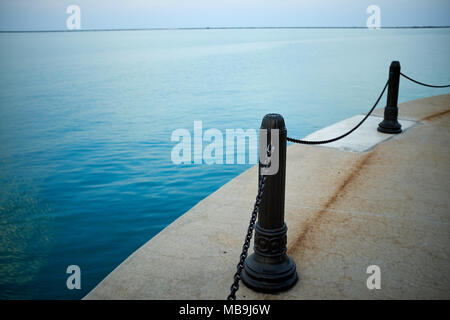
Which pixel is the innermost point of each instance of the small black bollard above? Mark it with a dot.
(269, 269)
(390, 123)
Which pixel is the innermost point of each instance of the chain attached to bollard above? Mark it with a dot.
(237, 276)
(240, 266)
(254, 276)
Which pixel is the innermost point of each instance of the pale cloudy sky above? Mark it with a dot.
(124, 14)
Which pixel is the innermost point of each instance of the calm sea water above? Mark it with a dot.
(86, 119)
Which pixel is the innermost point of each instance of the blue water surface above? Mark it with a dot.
(86, 118)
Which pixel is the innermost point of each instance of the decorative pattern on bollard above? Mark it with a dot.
(269, 269)
(390, 123)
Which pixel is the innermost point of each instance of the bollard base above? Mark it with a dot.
(263, 275)
(389, 126)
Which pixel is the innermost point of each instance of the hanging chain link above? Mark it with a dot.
(348, 132)
(423, 84)
(237, 276)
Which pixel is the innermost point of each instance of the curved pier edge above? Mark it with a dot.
(349, 206)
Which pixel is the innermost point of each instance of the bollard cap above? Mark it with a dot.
(395, 65)
(273, 121)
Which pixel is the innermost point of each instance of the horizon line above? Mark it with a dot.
(217, 28)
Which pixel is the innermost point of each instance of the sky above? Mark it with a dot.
(33, 15)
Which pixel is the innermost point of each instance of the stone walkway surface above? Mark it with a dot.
(372, 201)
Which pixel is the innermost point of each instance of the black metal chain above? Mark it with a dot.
(347, 133)
(423, 84)
(240, 266)
(237, 276)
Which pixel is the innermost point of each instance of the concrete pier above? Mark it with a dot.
(369, 199)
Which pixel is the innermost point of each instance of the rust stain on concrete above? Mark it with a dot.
(435, 115)
(299, 243)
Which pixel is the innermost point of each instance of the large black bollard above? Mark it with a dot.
(269, 269)
(390, 123)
